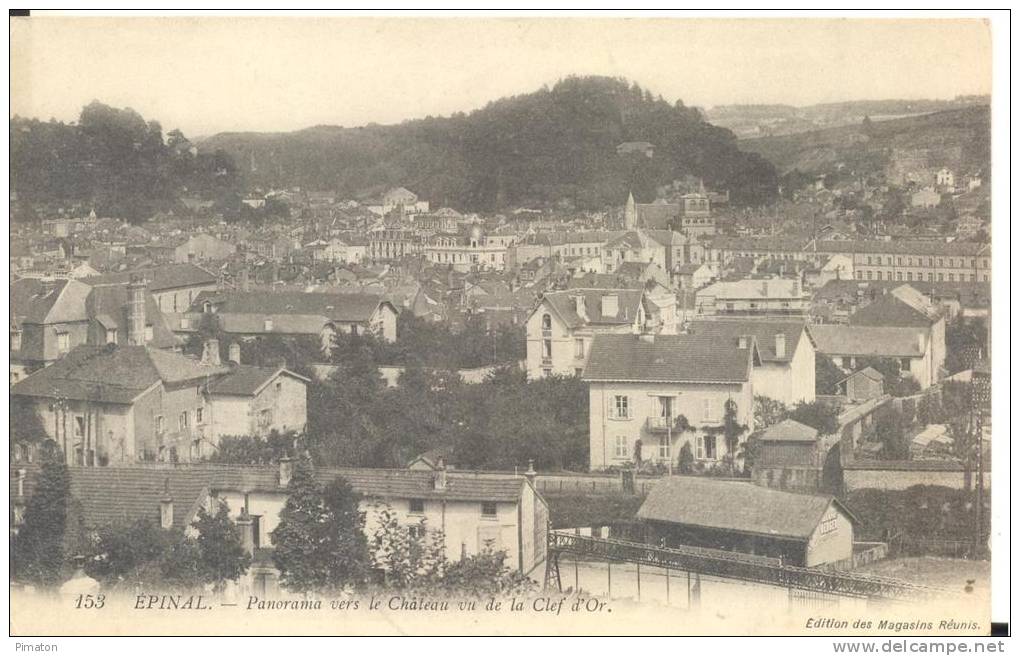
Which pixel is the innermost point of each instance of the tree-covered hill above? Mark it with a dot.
(111, 160)
(556, 144)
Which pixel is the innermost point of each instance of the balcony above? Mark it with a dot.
(659, 425)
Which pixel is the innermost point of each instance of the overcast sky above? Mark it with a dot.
(206, 75)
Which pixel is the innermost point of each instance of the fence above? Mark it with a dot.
(567, 483)
(921, 546)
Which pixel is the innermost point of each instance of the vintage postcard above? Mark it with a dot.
(522, 325)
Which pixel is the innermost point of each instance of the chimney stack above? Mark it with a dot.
(246, 529)
(581, 308)
(211, 352)
(286, 471)
(439, 482)
(780, 344)
(136, 312)
(530, 474)
(166, 507)
(234, 354)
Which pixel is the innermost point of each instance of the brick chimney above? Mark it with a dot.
(286, 471)
(234, 353)
(166, 507)
(136, 312)
(211, 352)
(780, 344)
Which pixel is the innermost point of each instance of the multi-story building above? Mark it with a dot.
(754, 297)
(664, 391)
(320, 315)
(894, 260)
(113, 405)
(49, 318)
(472, 252)
(174, 286)
(562, 326)
(393, 244)
(787, 371)
(474, 512)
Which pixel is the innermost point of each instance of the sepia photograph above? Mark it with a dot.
(461, 324)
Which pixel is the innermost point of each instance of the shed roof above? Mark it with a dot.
(736, 506)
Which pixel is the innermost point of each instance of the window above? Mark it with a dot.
(904, 364)
(196, 450)
(16, 340)
(199, 415)
(265, 418)
(858, 275)
(546, 349)
(940, 277)
(578, 348)
(707, 412)
(182, 421)
(489, 509)
(160, 424)
(930, 277)
(828, 524)
(578, 371)
(416, 506)
(910, 276)
(620, 450)
(621, 407)
(546, 322)
(414, 531)
(664, 449)
(79, 426)
(899, 275)
(940, 261)
(952, 277)
(709, 450)
(63, 342)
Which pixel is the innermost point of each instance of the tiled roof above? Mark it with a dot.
(773, 288)
(246, 380)
(335, 307)
(741, 507)
(669, 358)
(878, 341)
(890, 310)
(112, 374)
(764, 331)
(112, 494)
(170, 276)
(789, 430)
(628, 302)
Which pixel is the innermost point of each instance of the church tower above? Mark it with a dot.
(630, 214)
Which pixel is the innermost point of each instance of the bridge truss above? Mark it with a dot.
(730, 565)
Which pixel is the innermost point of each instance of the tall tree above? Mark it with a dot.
(317, 548)
(38, 553)
(223, 557)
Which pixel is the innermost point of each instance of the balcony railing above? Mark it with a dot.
(659, 424)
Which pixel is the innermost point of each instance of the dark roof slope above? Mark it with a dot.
(627, 304)
(669, 358)
(764, 332)
(888, 310)
(336, 307)
(789, 430)
(112, 374)
(169, 276)
(735, 506)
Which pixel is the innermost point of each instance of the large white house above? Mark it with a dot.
(667, 390)
(561, 327)
(787, 371)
